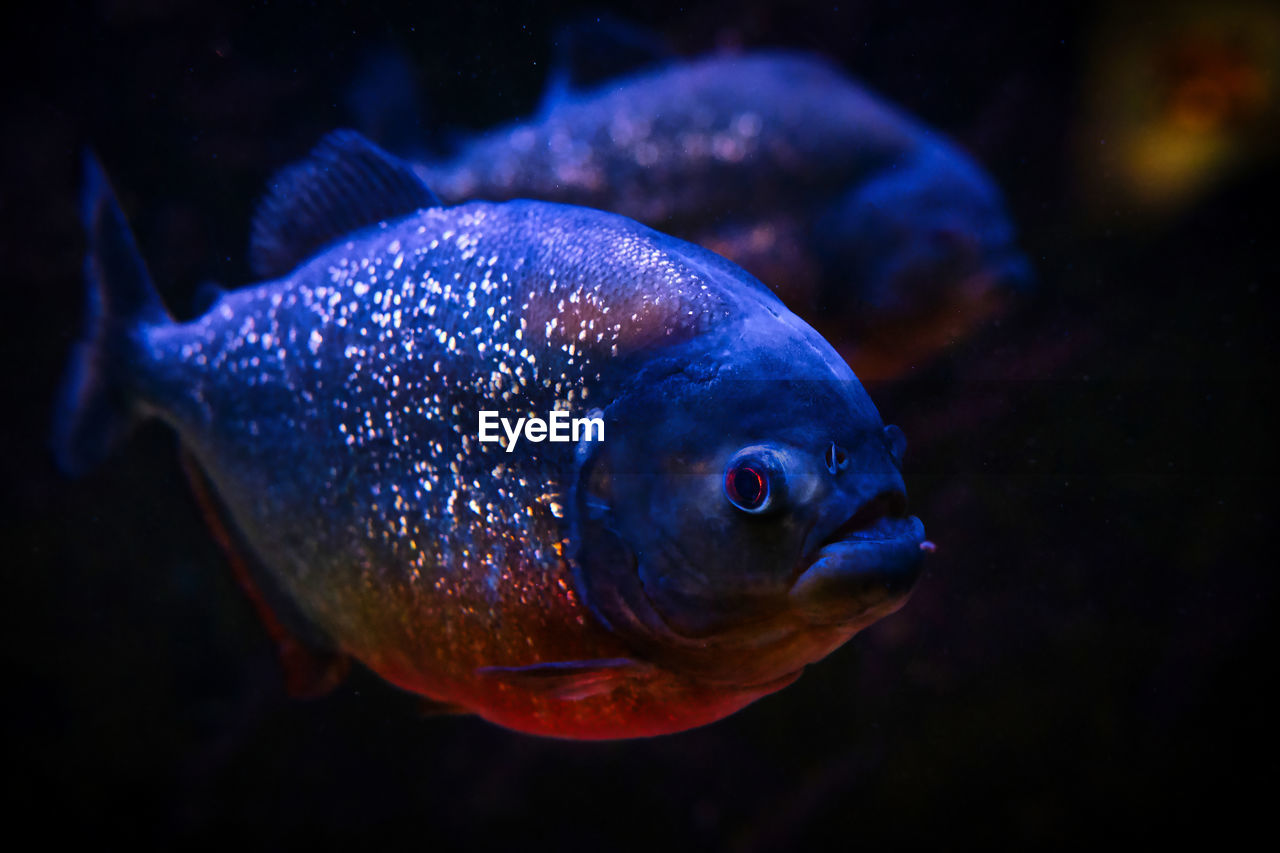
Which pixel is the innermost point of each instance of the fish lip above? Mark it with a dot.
(868, 523)
(864, 569)
(907, 531)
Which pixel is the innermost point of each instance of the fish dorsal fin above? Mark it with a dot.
(383, 99)
(595, 48)
(207, 295)
(347, 183)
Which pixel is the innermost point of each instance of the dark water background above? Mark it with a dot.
(1089, 650)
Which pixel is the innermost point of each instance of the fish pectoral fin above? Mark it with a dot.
(309, 671)
(570, 679)
(347, 183)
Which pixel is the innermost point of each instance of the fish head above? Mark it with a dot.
(919, 239)
(746, 514)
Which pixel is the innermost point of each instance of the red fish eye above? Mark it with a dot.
(746, 486)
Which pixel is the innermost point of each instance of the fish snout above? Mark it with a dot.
(1014, 274)
(865, 569)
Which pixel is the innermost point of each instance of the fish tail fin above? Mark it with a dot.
(98, 404)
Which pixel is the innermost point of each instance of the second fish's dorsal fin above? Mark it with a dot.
(593, 49)
(345, 184)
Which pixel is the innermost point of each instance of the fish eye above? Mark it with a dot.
(747, 487)
(753, 480)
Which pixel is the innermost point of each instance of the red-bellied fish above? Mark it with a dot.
(737, 514)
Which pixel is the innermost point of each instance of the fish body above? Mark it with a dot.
(866, 222)
(743, 516)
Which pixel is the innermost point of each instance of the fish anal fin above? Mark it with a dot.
(308, 672)
(436, 708)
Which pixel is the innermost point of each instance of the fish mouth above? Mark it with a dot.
(865, 569)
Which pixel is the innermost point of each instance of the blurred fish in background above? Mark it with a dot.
(1176, 103)
(869, 224)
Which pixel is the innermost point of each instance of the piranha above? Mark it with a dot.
(870, 225)
(744, 516)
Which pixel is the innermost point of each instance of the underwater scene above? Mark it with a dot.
(744, 426)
